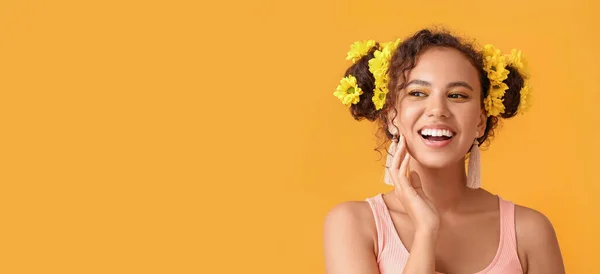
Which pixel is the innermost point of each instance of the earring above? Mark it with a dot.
(474, 170)
(387, 178)
(393, 132)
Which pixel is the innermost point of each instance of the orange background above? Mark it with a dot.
(186, 137)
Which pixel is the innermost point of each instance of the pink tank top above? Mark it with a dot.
(392, 255)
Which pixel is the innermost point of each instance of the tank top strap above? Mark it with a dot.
(507, 258)
(507, 223)
(382, 221)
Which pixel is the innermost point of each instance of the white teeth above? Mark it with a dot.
(436, 132)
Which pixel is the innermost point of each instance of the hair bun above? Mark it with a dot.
(512, 97)
(365, 108)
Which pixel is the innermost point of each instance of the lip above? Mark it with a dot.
(437, 144)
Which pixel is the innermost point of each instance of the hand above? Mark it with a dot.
(409, 191)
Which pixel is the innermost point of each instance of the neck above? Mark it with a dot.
(445, 187)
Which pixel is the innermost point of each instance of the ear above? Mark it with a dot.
(392, 126)
(392, 129)
(482, 123)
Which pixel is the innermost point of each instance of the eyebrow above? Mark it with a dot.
(450, 85)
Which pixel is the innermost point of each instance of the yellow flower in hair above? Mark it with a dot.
(379, 66)
(494, 106)
(525, 102)
(379, 98)
(498, 72)
(382, 82)
(392, 45)
(380, 63)
(494, 102)
(498, 90)
(491, 50)
(359, 49)
(495, 64)
(515, 59)
(348, 91)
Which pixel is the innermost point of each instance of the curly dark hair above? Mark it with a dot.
(404, 59)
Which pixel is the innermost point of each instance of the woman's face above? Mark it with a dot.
(439, 110)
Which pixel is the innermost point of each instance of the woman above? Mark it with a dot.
(436, 99)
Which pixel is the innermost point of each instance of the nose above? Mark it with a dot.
(437, 107)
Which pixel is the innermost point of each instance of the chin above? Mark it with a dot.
(436, 160)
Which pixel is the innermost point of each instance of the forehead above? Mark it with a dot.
(440, 66)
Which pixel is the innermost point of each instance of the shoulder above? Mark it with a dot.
(533, 225)
(530, 218)
(352, 221)
(350, 239)
(536, 239)
(351, 215)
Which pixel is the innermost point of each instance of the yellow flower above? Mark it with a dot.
(378, 65)
(379, 98)
(348, 91)
(491, 50)
(498, 71)
(515, 59)
(498, 90)
(382, 82)
(495, 64)
(359, 49)
(493, 106)
(525, 102)
(392, 45)
(387, 50)
(493, 102)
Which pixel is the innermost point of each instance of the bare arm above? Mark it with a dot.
(538, 238)
(348, 244)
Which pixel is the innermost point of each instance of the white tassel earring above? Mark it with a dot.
(474, 169)
(387, 179)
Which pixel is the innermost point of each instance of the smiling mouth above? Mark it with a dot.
(436, 135)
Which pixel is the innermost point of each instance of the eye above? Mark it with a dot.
(458, 96)
(417, 93)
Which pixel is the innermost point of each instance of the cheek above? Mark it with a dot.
(468, 116)
(408, 115)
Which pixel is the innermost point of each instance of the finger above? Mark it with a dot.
(398, 155)
(403, 180)
(415, 181)
(395, 163)
(405, 160)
